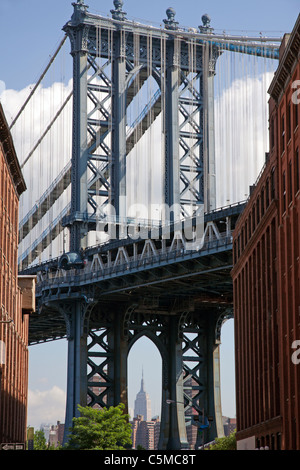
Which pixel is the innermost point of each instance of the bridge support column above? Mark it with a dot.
(201, 364)
(214, 407)
(172, 176)
(173, 429)
(119, 129)
(77, 363)
(117, 368)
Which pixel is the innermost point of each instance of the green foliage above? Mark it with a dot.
(106, 429)
(39, 441)
(224, 443)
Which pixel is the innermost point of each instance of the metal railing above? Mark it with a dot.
(59, 277)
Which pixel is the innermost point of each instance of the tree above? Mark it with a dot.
(106, 429)
(39, 441)
(224, 443)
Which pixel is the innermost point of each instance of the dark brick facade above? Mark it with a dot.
(266, 275)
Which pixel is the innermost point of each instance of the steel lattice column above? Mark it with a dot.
(172, 191)
(78, 36)
(201, 365)
(107, 360)
(75, 315)
(119, 118)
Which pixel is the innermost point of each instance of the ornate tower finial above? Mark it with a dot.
(170, 23)
(118, 13)
(79, 9)
(205, 28)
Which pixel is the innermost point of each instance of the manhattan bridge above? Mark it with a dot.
(121, 221)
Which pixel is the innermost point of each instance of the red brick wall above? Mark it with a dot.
(14, 384)
(256, 314)
(289, 251)
(266, 278)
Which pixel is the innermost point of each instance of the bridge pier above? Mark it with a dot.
(173, 431)
(100, 336)
(74, 315)
(118, 366)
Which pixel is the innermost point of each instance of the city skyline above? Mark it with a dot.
(47, 363)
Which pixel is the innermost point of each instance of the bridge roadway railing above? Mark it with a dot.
(97, 270)
(119, 257)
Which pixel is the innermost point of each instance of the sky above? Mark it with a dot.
(29, 33)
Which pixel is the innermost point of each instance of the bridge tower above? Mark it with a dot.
(112, 59)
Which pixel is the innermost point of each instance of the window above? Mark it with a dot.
(295, 115)
(267, 193)
(273, 184)
(290, 181)
(235, 251)
(262, 202)
(249, 227)
(297, 170)
(289, 124)
(284, 191)
(272, 139)
(282, 134)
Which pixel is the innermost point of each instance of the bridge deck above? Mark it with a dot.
(158, 281)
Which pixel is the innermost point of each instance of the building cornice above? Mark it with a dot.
(287, 63)
(10, 154)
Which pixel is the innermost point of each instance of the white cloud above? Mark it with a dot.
(2, 87)
(241, 136)
(46, 406)
(54, 151)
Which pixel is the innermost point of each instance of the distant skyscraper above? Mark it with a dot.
(142, 404)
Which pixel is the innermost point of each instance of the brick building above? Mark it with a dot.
(16, 299)
(145, 433)
(56, 434)
(266, 276)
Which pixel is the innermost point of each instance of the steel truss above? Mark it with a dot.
(113, 59)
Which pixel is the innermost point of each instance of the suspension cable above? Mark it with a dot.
(47, 129)
(39, 81)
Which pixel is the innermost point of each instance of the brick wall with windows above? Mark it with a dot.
(13, 324)
(266, 274)
(285, 98)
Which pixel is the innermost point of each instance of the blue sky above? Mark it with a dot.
(30, 30)
(29, 33)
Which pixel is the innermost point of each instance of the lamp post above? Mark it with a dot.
(202, 426)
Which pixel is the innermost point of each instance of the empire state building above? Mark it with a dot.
(142, 404)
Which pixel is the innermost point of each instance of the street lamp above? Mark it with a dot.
(202, 426)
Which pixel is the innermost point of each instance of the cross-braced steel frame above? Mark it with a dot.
(188, 343)
(113, 59)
